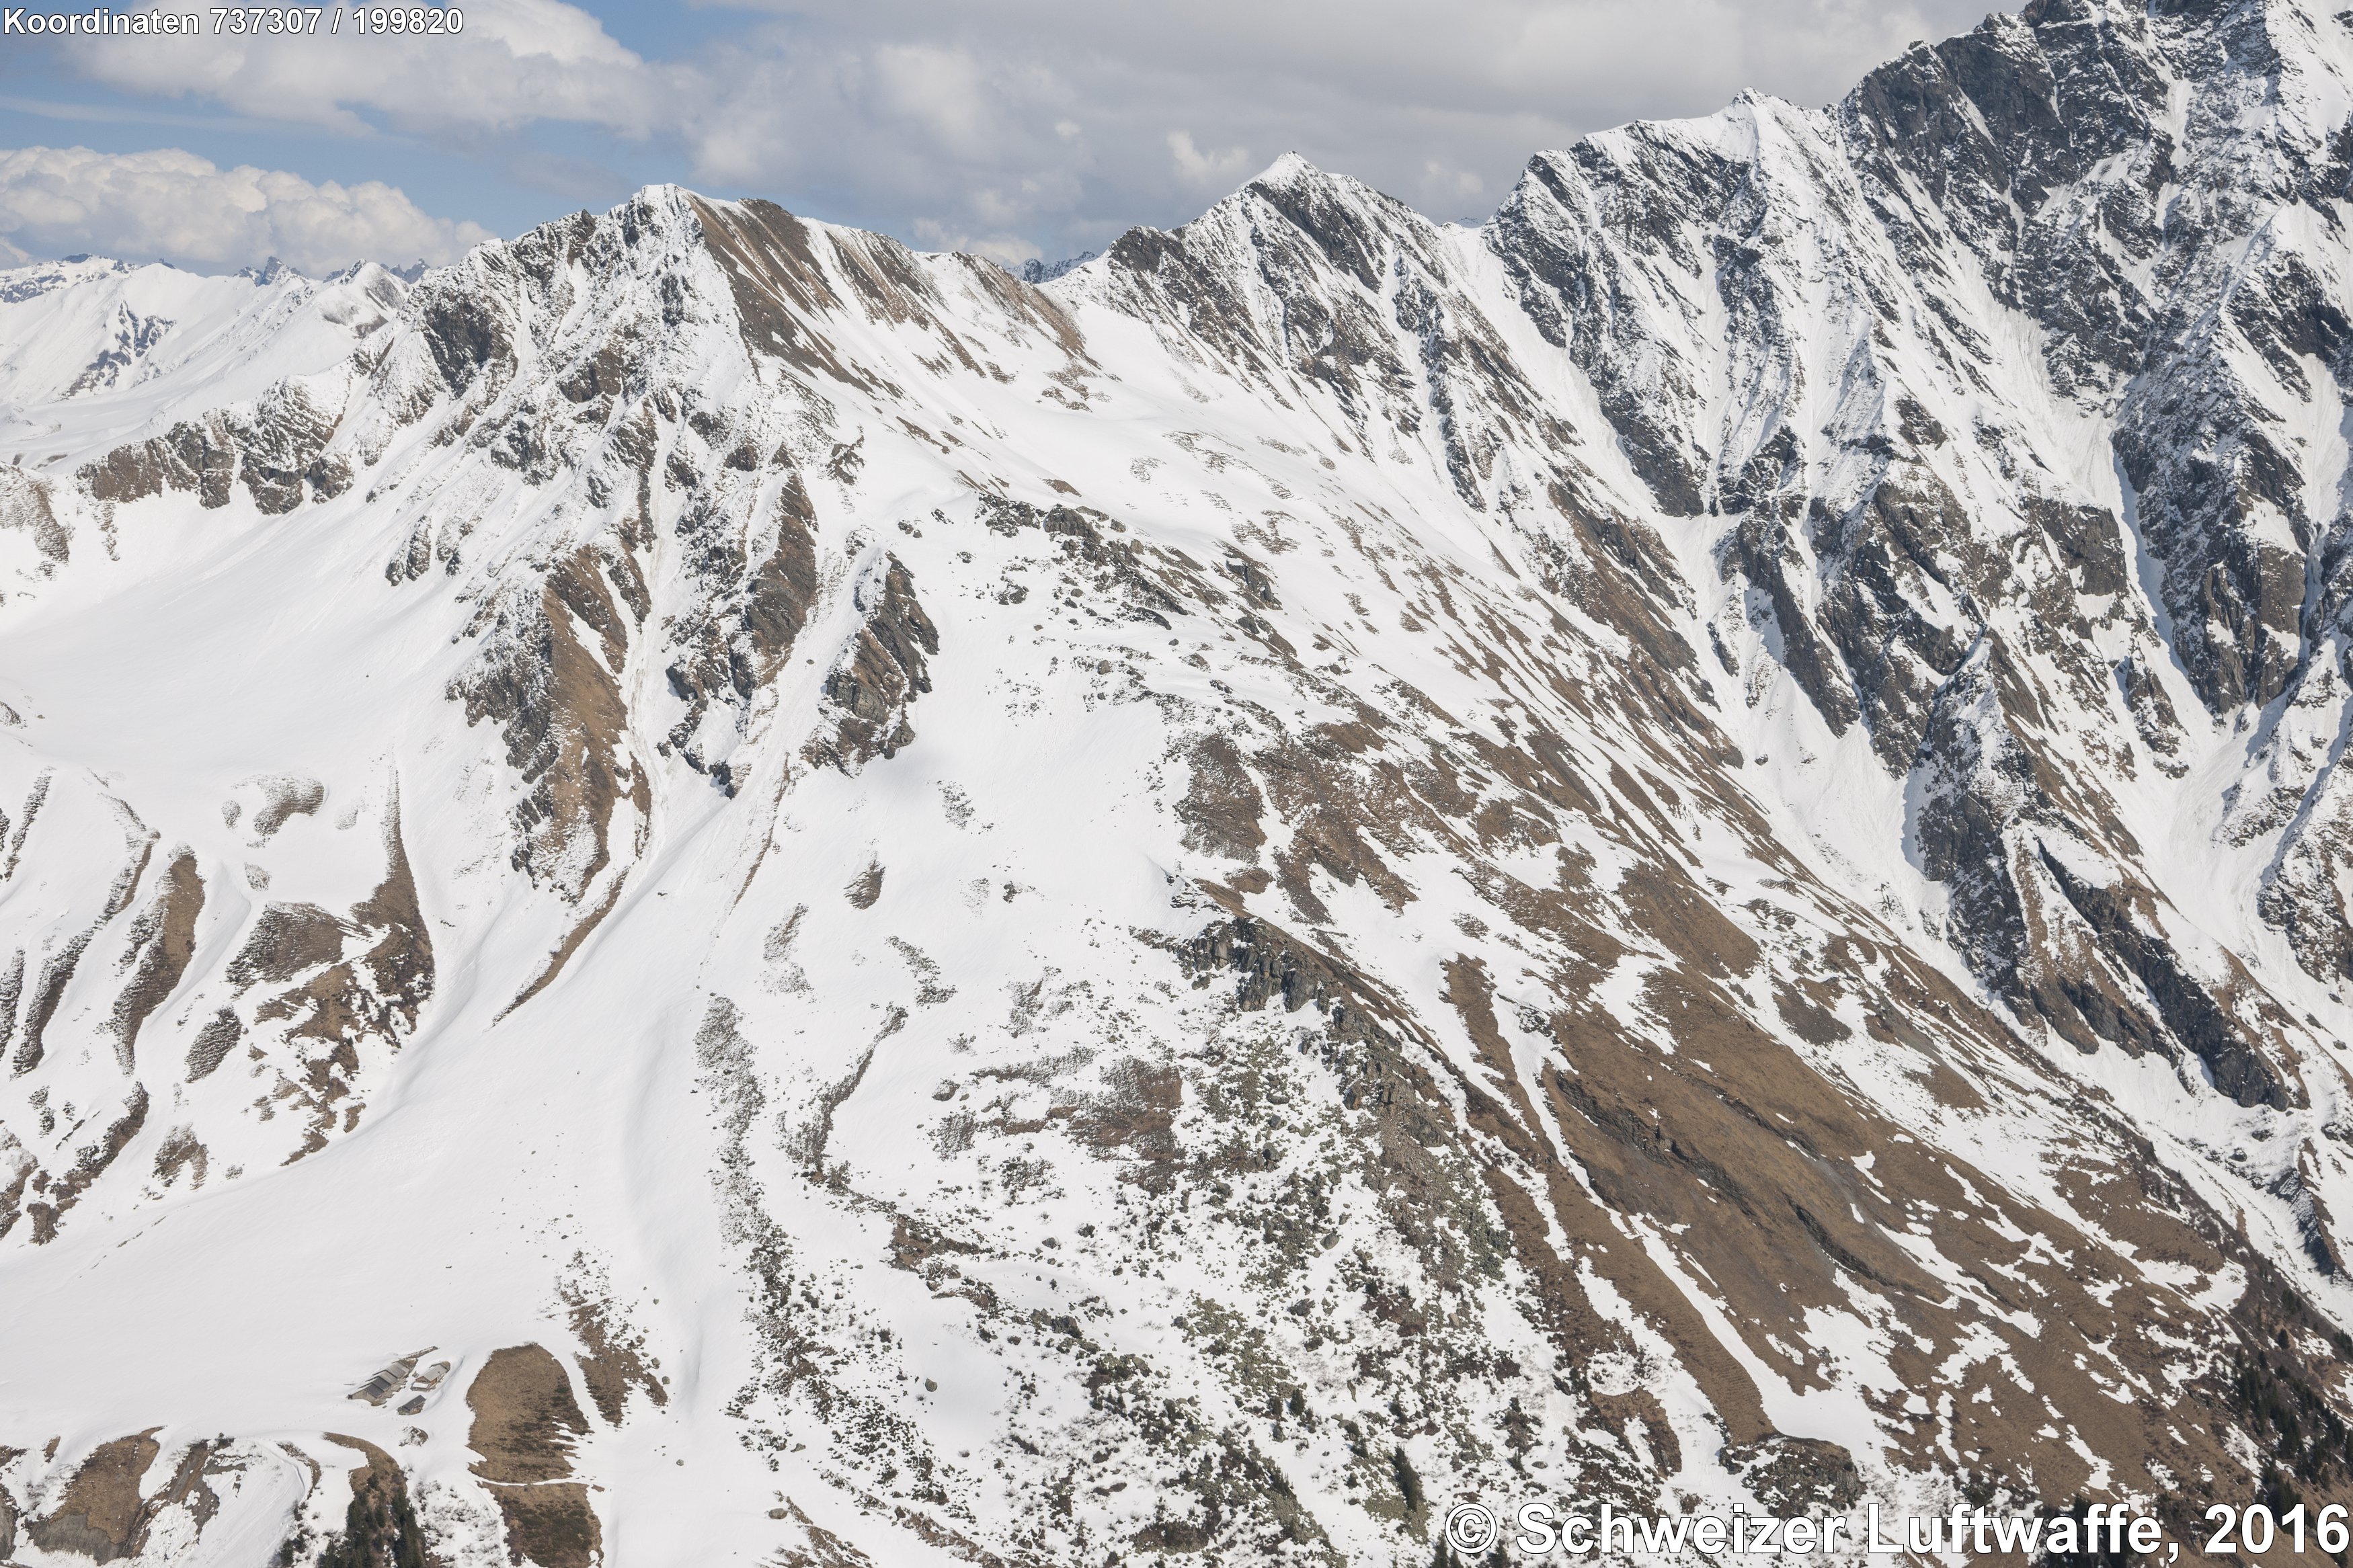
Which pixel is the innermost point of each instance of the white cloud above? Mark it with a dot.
(1200, 168)
(514, 63)
(177, 206)
(1050, 120)
(1440, 101)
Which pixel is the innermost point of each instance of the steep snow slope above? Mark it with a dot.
(704, 890)
(83, 338)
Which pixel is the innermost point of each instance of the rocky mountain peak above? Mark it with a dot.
(1291, 169)
(1688, 845)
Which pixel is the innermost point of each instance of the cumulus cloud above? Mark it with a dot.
(1055, 123)
(1066, 120)
(177, 206)
(516, 62)
(1200, 168)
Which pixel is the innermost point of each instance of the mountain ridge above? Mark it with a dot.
(1685, 844)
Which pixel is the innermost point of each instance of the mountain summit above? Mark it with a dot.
(704, 889)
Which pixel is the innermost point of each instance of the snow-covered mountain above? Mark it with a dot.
(1685, 849)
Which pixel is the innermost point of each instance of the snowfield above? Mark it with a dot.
(706, 890)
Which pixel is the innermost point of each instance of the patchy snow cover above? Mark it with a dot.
(706, 888)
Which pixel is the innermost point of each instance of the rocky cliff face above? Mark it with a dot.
(1687, 846)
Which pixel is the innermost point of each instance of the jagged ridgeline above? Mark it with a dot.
(703, 889)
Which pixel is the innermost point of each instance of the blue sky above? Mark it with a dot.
(1017, 128)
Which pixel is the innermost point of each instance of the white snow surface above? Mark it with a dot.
(824, 1072)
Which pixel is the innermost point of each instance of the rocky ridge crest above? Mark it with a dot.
(1688, 843)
